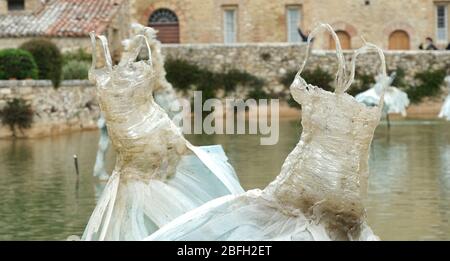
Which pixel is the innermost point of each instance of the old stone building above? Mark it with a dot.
(399, 24)
(65, 22)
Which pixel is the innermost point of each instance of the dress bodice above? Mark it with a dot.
(123, 91)
(328, 169)
(145, 139)
(330, 163)
(333, 116)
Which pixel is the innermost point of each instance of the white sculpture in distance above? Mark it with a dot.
(395, 100)
(445, 110)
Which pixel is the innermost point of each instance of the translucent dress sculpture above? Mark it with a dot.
(164, 95)
(317, 194)
(395, 100)
(158, 174)
(445, 111)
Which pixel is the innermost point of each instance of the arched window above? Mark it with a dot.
(166, 22)
(399, 40)
(344, 38)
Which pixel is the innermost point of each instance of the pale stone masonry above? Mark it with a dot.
(73, 106)
(202, 21)
(391, 24)
(271, 61)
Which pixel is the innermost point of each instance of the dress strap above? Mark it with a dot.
(135, 49)
(385, 79)
(341, 73)
(106, 53)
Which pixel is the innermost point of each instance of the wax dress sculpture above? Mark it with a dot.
(445, 111)
(164, 95)
(158, 174)
(317, 194)
(395, 100)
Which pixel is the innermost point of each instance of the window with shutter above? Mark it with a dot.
(441, 23)
(229, 25)
(292, 24)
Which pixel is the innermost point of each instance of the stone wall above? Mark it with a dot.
(201, 21)
(71, 107)
(272, 61)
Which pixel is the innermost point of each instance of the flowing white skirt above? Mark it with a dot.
(249, 216)
(395, 100)
(132, 209)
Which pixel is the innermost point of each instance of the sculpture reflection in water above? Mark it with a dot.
(445, 111)
(317, 194)
(99, 167)
(158, 174)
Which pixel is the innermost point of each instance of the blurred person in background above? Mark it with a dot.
(429, 45)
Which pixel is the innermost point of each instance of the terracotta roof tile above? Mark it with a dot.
(64, 18)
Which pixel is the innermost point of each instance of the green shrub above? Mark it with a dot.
(233, 78)
(17, 114)
(208, 83)
(185, 76)
(288, 78)
(258, 93)
(182, 74)
(320, 78)
(48, 59)
(399, 80)
(17, 63)
(429, 85)
(316, 77)
(79, 55)
(75, 70)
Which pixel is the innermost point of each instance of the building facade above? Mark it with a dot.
(65, 22)
(392, 24)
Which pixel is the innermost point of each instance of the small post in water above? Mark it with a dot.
(75, 161)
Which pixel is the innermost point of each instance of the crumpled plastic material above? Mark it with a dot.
(158, 174)
(395, 100)
(164, 93)
(317, 195)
